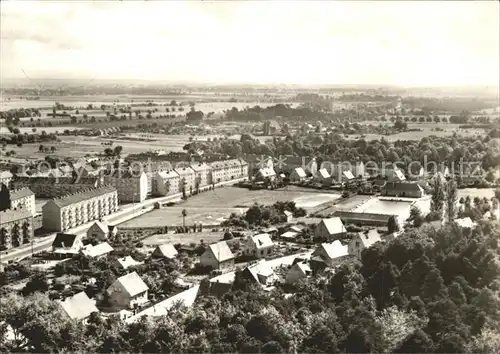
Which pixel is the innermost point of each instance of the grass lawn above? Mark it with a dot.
(211, 207)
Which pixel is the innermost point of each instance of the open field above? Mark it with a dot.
(171, 238)
(210, 208)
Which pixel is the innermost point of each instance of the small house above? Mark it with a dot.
(259, 245)
(298, 271)
(362, 241)
(298, 175)
(128, 291)
(218, 256)
(260, 272)
(465, 223)
(165, 251)
(98, 251)
(127, 262)
(67, 245)
(98, 231)
(330, 229)
(78, 307)
(288, 216)
(331, 254)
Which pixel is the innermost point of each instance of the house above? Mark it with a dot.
(298, 271)
(298, 175)
(127, 262)
(16, 228)
(465, 223)
(260, 272)
(165, 251)
(166, 183)
(289, 235)
(78, 307)
(259, 245)
(322, 176)
(394, 174)
(330, 229)
(331, 254)
(98, 231)
(67, 244)
(362, 241)
(98, 251)
(265, 173)
(128, 291)
(288, 215)
(217, 256)
(403, 189)
(23, 198)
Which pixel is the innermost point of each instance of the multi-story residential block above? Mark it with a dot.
(23, 198)
(187, 179)
(218, 171)
(51, 187)
(79, 208)
(16, 228)
(167, 183)
(131, 186)
(5, 177)
(203, 175)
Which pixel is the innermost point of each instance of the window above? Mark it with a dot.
(357, 243)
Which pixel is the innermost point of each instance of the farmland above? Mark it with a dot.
(212, 207)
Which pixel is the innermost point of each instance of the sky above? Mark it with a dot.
(293, 42)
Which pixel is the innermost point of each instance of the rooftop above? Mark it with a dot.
(79, 306)
(167, 251)
(83, 195)
(97, 250)
(7, 216)
(334, 225)
(221, 251)
(127, 262)
(262, 240)
(131, 283)
(335, 249)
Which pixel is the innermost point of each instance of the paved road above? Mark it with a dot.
(125, 213)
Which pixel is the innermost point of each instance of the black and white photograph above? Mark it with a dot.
(249, 176)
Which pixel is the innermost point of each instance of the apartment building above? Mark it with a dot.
(131, 186)
(203, 174)
(23, 198)
(79, 208)
(167, 183)
(187, 179)
(16, 228)
(5, 177)
(52, 187)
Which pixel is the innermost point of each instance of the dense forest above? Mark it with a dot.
(428, 291)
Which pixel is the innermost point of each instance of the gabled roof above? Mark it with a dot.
(289, 234)
(335, 249)
(131, 283)
(100, 225)
(221, 251)
(79, 306)
(323, 173)
(399, 175)
(267, 172)
(168, 174)
(261, 268)
(21, 193)
(10, 215)
(81, 196)
(348, 175)
(334, 225)
(370, 237)
(300, 172)
(184, 171)
(200, 167)
(262, 240)
(303, 267)
(465, 222)
(127, 262)
(404, 186)
(5, 174)
(63, 240)
(97, 250)
(288, 213)
(167, 251)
